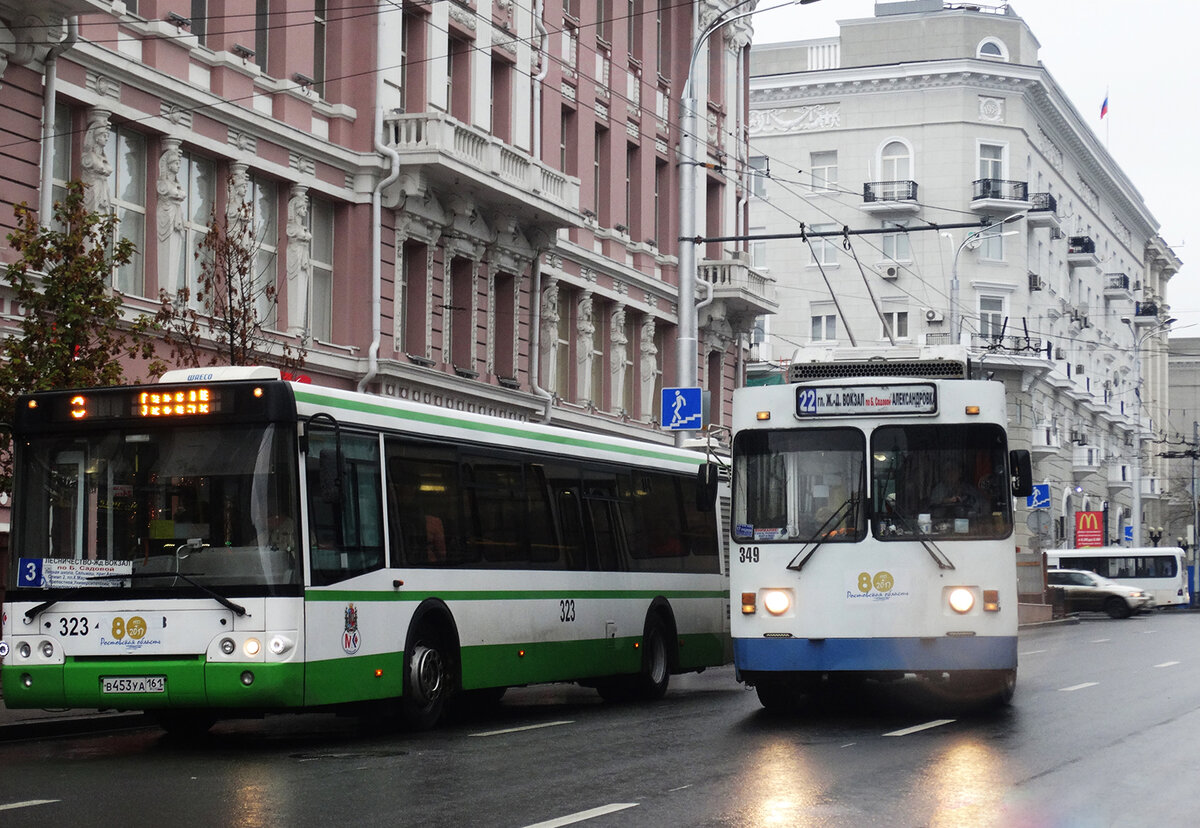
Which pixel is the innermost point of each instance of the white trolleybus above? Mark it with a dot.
(872, 531)
(226, 543)
(1160, 571)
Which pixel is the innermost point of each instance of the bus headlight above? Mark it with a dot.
(279, 645)
(47, 649)
(961, 600)
(776, 601)
(251, 647)
(24, 650)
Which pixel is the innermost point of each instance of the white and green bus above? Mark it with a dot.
(226, 543)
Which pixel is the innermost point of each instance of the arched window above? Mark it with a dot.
(895, 162)
(992, 49)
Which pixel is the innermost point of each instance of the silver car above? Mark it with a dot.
(1083, 591)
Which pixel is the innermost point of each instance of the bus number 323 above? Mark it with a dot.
(566, 610)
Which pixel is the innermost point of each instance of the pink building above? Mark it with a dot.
(472, 204)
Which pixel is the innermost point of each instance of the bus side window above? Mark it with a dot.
(346, 521)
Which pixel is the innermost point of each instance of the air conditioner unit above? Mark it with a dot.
(1035, 282)
(1060, 353)
(932, 316)
(1079, 368)
(888, 270)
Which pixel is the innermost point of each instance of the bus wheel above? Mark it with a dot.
(426, 681)
(656, 662)
(776, 696)
(185, 724)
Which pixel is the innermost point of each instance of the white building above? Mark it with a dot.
(925, 117)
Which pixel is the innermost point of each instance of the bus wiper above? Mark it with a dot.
(939, 557)
(32, 612)
(848, 509)
(233, 607)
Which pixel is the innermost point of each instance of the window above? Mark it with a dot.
(992, 49)
(61, 152)
(758, 249)
(661, 217)
(264, 198)
(345, 509)
(824, 327)
(562, 344)
(320, 218)
(200, 21)
(320, 19)
(897, 321)
(633, 188)
(461, 314)
(599, 163)
(198, 177)
(662, 34)
(458, 79)
(599, 348)
(501, 102)
(991, 245)
(991, 162)
(824, 171)
(824, 248)
(759, 172)
(127, 155)
(603, 20)
(895, 164)
(896, 246)
(262, 25)
(991, 316)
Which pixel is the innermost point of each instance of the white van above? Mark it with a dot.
(1160, 571)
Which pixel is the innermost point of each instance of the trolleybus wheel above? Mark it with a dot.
(427, 679)
(652, 682)
(185, 724)
(776, 696)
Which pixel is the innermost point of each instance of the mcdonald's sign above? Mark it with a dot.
(1089, 529)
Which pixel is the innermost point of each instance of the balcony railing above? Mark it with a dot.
(1019, 345)
(1043, 202)
(889, 191)
(1116, 281)
(1080, 244)
(1000, 190)
(1146, 309)
(741, 288)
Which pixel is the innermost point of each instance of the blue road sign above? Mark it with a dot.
(1040, 499)
(682, 409)
(1129, 532)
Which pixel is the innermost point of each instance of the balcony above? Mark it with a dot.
(1044, 441)
(1085, 460)
(1119, 476)
(1145, 313)
(738, 287)
(1043, 211)
(1117, 286)
(990, 195)
(896, 197)
(1081, 252)
(1018, 345)
(438, 155)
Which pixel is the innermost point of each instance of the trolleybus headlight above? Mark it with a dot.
(23, 649)
(961, 599)
(227, 646)
(252, 647)
(279, 644)
(47, 649)
(3, 649)
(776, 601)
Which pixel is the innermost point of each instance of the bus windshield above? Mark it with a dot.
(944, 481)
(804, 485)
(216, 506)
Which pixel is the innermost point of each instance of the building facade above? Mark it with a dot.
(992, 216)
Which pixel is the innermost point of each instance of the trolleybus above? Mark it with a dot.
(227, 543)
(1160, 571)
(872, 530)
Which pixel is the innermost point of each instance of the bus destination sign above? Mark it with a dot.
(865, 400)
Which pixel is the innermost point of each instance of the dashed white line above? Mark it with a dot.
(1032, 652)
(521, 729)
(26, 804)
(918, 728)
(1075, 687)
(580, 816)
(1167, 664)
(1101, 640)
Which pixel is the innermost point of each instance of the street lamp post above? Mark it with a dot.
(1135, 519)
(975, 236)
(686, 344)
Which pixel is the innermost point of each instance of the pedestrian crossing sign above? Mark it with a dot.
(682, 409)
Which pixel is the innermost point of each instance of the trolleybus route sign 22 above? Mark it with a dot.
(858, 400)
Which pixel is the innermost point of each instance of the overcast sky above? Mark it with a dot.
(1143, 53)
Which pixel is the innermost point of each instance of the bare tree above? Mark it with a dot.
(227, 321)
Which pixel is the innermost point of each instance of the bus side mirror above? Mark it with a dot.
(1022, 472)
(707, 476)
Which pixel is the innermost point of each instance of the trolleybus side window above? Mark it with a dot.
(494, 505)
(346, 521)
(800, 485)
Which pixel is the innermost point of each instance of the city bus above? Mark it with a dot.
(227, 543)
(1160, 571)
(871, 534)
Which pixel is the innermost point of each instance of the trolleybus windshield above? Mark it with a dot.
(215, 505)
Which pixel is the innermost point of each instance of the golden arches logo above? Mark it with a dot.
(1087, 521)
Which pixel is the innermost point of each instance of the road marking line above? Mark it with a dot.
(1074, 687)
(1167, 664)
(1033, 652)
(571, 819)
(27, 803)
(918, 728)
(521, 729)
(680, 788)
(1101, 640)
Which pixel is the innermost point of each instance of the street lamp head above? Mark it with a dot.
(1126, 320)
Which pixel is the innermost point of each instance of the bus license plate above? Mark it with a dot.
(133, 684)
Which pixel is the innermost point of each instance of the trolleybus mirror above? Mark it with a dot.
(707, 476)
(1022, 473)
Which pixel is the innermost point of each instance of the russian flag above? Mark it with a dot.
(1104, 106)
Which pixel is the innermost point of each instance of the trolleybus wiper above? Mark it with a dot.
(232, 606)
(939, 557)
(32, 612)
(848, 508)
